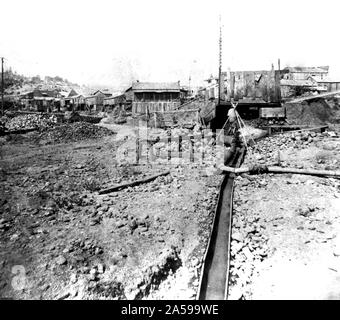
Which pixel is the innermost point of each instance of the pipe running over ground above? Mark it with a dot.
(260, 169)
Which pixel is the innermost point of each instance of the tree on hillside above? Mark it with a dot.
(58, 79)
(12, 79)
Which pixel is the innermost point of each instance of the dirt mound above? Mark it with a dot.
(73, 132)
(316, 112)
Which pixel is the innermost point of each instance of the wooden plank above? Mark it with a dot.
(133, 183)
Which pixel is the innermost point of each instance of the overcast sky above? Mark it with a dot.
(107, 42)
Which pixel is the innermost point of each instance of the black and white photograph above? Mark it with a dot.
(171, 150)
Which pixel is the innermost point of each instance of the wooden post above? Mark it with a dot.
(158, 152)
(137, 147)
(180, 146)
(203, 145)
(191, 146)
(147, 143)
(169, 146)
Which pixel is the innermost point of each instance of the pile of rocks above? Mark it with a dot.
(77, 251)
(266, 151)
(4, 224)
(249, 244)
(258, 123)
(30, 121)
(74, 132)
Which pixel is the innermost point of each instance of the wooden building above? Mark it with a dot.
(100, 96)
(296, 81)
(329, 85)
(90, 101)
(294, 88)
(76, 102)
(304, 73)
(120, 101)
(252, 90)
(41, 100)
(255, 87)
(96, 100)
(148, 97)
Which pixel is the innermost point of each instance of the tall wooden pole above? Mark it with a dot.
(220, 62)
(2, 85)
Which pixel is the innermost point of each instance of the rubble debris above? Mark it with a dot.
(61, 260)
(73, 132)
(283, 214)
(269, 150)
(30, 121)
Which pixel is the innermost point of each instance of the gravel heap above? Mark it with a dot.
(74, 132)
(30, 121)
(317, 112)
(266, 150)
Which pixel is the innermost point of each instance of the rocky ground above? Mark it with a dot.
(60, 239)
(29, 121)
(286, 228)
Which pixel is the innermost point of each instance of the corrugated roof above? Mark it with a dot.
(155, 86)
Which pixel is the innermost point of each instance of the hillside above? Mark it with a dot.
(16, 84)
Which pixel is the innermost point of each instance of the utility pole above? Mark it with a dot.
(220, 63)
(2, 85)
